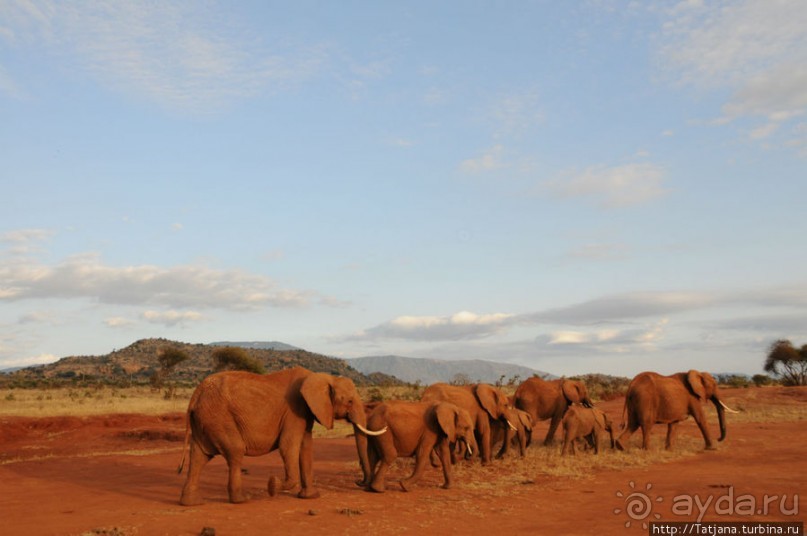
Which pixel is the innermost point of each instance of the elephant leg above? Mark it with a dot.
(308, 490)
(670, 434)
(553, 426)
(234, 484)
(647, 426)
(190, 492)
(385, 455)
(421, 459)
(700, 419)
(484, 439)
(595, 437)
(446, 466)
(568, 441)
(290, 453)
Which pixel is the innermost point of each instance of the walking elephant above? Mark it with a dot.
(417, 429)
(544, 399)
(239, 414)
(482, 401)
(655, 399)
(522, 436)
(585, 423)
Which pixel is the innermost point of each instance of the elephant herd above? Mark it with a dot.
(237, 414)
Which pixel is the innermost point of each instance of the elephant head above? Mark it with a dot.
(602, 420)
(575, 392)
(494, 402)
(704, 387)
(457, 424)
(333, 397)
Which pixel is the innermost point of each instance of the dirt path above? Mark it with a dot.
(117, 475)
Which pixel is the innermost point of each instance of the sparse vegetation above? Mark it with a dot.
(603, 386)
(787, 362)
(236, 358)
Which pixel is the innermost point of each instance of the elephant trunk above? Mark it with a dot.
(358, 418)
(721, 417)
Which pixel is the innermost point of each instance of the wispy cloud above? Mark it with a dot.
(612, 187)
(757, 49)
(192, 286)
(184, 55)
(490, 160)
(172, 318)
(462, 325)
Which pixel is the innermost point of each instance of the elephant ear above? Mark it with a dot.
(317, 391)
(696, 384)
(487, 398)
(571, 391)
(525, 419)
(446, 417)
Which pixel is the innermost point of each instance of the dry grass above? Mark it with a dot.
(541, 466)
(90, 401)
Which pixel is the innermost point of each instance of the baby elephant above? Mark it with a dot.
(415, 429)
(580, 422)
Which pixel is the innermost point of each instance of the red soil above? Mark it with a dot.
(116, 475)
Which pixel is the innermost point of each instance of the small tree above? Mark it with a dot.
(168, 358)
(787, 362)
(236, 358)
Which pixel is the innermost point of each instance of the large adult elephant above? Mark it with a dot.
(544, 399)
(656, 399)
(239, 414)
(482, 401)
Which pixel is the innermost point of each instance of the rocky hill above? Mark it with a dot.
(428, 371)
(138, 362)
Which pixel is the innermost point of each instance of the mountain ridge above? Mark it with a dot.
(430, 370)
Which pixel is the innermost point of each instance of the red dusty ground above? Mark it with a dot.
(116, 475)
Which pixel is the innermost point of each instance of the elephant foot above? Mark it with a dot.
(238, 498)
(191, 499)
(273, 487)
(362, 483)
(618, 445)
(710, 447)
(447, 485)
(405, 485)
(308, 493)
(376, 488)
(291, 486)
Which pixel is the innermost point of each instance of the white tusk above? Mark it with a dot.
(725, 407)
(470, 450)
(371, 433)
(513, 428)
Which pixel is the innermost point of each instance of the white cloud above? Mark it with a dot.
(41, 359)
(87, 277)
(172, 318)
(118, 322)
(462, 325)
(490, 160)
(184, 55)
(612, 187)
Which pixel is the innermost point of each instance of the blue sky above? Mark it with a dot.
(592, 186)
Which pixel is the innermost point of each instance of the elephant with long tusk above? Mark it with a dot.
(655, 399)
(239, 414)
(483, 402)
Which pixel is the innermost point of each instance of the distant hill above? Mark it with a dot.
(259, 345)
(428, 371)
(138, 362)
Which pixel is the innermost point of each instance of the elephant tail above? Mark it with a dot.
(624, 423)
(187, 442)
